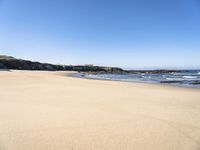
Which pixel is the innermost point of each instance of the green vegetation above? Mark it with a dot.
(9, 62)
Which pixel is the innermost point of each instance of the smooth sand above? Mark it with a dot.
(48, 111)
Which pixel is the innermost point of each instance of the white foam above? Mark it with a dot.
(175, 79)
(189, 77)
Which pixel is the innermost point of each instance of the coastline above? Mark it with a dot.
(47, 110)
(75, 75)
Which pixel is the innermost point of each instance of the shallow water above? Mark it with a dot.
(188, 78)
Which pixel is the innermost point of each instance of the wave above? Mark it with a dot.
(175, 79)
(183, 79)
(189, 77)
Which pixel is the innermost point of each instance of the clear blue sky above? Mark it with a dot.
(126, 33)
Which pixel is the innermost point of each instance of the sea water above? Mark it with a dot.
(189, 78)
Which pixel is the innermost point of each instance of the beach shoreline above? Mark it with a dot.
(77, 75)
(49, 110)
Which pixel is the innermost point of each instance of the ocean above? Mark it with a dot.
(186, 78)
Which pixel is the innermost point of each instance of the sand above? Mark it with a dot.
(42, 110)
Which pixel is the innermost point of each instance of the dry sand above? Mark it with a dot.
(48, 111)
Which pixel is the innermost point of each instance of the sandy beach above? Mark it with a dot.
(41, 110)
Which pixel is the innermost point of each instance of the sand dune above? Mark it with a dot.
(48, 111)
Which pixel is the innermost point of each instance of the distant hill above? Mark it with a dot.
(9, 62)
